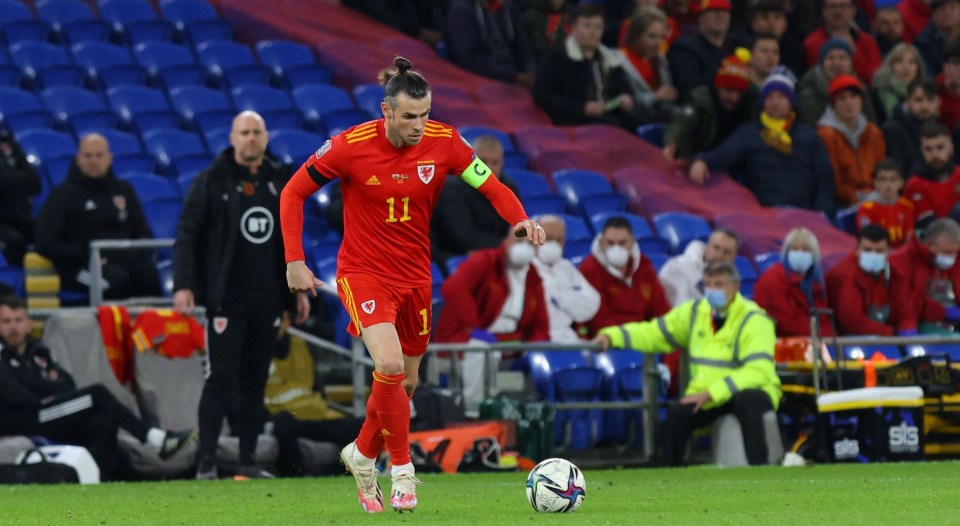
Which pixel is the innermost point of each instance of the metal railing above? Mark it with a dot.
(97, 247)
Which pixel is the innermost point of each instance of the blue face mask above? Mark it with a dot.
(872, 262)
(945, 262)
(800, 261)
(717, 298)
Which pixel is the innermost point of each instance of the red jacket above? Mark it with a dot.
(915, 14)
(852, 292)
(474, 296)
(949, 105)
(642, 300)
(915, 261)
(866, 52)
(932, 197)
(778, 292)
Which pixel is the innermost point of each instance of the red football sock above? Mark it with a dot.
(370, 440)
(393, 415)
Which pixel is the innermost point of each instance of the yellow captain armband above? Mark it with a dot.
(476, 174)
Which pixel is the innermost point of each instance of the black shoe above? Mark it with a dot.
(175, 441)
(207, 470)
(252, 472)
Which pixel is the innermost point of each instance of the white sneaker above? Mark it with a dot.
(403, 497)
(368, 489)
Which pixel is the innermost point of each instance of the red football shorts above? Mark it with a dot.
(369, 301)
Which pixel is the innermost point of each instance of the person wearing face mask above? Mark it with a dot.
(867, 294)
(682, 275)
(789, 289)
(930, 264)
(730, 343)
(935, 190)
(627, 281)
(495, 295)
(570, 298)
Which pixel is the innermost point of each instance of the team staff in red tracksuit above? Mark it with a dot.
(934, 276)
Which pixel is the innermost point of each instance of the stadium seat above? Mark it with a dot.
(108, 64)
(317, 99)
(453, 264)
(680, 228)
(121, 143)
(184, 181)
(847, 219)
(272, 104)
(168, 145)
(184, 12)
(170, 64)
(57, 168)
(470, 133)
(136, 21)
(21, 110)
(369, 97)
(232, 64)
(217, 140)
(192, 101)
(46, 65)
(142, 108)
(746, 268)
(10, 76)
(579, 237)
(25, 31)
(134, 162)
(163, 216)
(13, 276)
(293, 63)
(339, 120)
(68, 103)
(14, 11)
(622, 381)
(765, 261)
(565, 376)
(515, 159)
(535, 192)
(294, 146)
(652, 133)
(203, 31)
(649, 241)
(41, 145)
(151, 187)
(656, 259)
(73, 20)
(587, 192)
(191, 164)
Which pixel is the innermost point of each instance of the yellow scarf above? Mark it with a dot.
(775, 132)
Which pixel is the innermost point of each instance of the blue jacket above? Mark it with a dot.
(803, 179)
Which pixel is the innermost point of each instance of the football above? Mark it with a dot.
(556, 486)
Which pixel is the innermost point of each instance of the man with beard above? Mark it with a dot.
(901, 133)
(935, 189)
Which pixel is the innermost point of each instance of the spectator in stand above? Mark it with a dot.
(420, 19)
(715, 111)
(38, 397)
(570, 298)
(769, 17)
(464, 219)
(488, 38)
(854, 144)
(682, 275)
(93, 204)
(838, 23)
(495, 295)
(764, 58)
(784, 162)
(933, 275)
(647, 70)
(544, 21)
(682, 12)
(867, 295)
(888, 28)
(943, 28)
(19, 182)
(582, 81)
(949, 81)
(885, 207)
(916, 15)
(790, 289)
(813, 94)
(638, 6)
(900, 67)
(935, 189)
(901, 132)
(803, 18)
(696, 56)
(627, 281)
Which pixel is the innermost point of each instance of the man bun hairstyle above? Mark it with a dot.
(401, 78)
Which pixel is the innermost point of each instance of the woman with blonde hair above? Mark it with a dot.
(901, 66)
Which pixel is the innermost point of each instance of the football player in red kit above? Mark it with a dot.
(391, 172)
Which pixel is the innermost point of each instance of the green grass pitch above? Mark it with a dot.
(902, 494)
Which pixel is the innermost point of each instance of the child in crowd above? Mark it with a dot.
(886, 207)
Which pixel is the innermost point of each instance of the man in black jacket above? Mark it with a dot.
(93, 204)
(901, 132)
(228, 257)
(695, 57)
(37, 397)
(18, 183)
(489, 39)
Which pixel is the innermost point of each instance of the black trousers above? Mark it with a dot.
(240, 341)
(128, 276)
(288, 429)
(14, 239)
(88, 417)
(748, 406)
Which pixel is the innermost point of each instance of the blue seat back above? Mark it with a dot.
(680, 228)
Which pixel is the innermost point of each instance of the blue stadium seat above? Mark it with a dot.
(515, 159)
(13, 276)
(656, 259)
(41, 145)
(191, 164)
(565, 376)
(108, 65)
(217, 140)
(652, 133)
(847, 219)
(453, 264)
(41, 198)
(203, 31)
(136, 21)
(215, 120)
(142, 108)
(68, 103)
(14, 11)
(46, 65)
(10, 76)
(183, 12)
(294, 146)
(232, 64)
(369, 97)
(649, 241)
(17, 23)
(746, 268)
(163, 216)
(339, 120)
(292, 62)
(73, 20)
(272, 104)
(622, 381)
(191, 101)
(680, 228)
(765, 261)
(579, 237)
(151, 187)
(121, 143)
(170, 64)
(535, 193)
(470, 133)
(134, 162)
(315, 100)
(184, 181)
(56, 168)
(588, 192)
(21, 110)
(168, 145)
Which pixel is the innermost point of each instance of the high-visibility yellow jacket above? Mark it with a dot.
(737, 357)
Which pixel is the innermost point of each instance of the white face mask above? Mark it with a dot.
(520, 254)
(550, 252)
(617, 256)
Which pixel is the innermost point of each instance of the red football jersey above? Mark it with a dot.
(896, 218)
(933, 197)
(388, 197)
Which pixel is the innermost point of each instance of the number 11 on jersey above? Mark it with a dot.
(391, 217)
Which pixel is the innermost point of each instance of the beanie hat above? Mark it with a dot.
(835, 43)
(733, 72)
(719, 5)
(782, 80)
(844, 82)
